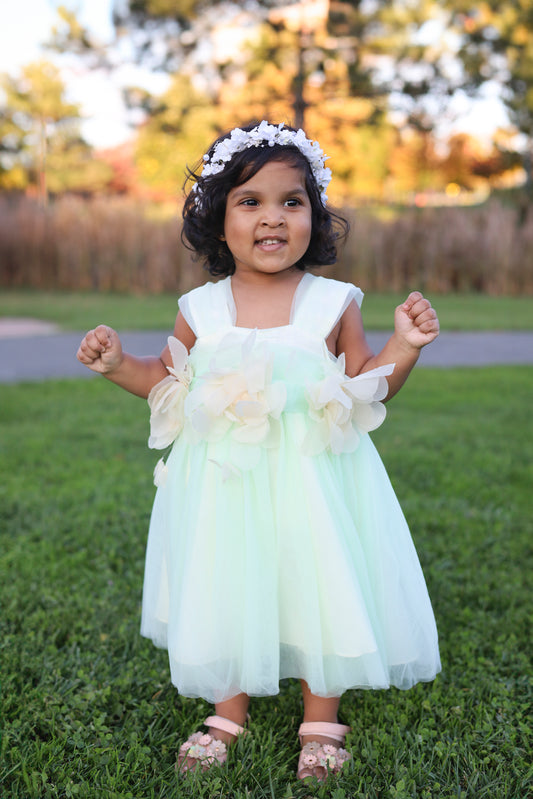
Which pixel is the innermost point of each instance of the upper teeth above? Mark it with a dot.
(270, 241)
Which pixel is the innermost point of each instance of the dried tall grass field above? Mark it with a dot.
(115, 244)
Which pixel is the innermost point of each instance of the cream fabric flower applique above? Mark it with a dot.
(160, 473)
(242, 401)
(167, 399)
(341, 408)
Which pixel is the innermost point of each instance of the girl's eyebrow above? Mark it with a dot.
(241, 191)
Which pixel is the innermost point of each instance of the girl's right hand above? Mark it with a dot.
(101, 350)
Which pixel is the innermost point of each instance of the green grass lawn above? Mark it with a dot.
(88, 708)
(80, 311)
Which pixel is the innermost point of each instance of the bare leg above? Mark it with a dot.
(234, 709)
(318, 708)
(318, 761)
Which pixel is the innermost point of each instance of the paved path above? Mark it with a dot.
(53, 355)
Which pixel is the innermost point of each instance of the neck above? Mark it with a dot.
(266, 303)
(266, 280)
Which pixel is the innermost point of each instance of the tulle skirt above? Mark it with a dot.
(302, 566)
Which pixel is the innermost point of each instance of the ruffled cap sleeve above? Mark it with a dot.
(322, 302)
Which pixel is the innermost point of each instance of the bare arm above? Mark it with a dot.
(415, 325)
(101, 351)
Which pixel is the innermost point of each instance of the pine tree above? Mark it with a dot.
(40, 135)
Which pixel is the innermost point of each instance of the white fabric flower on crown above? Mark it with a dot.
(341, 408)
(268, 135)
(167, 399)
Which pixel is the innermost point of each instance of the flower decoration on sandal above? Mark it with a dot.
(204, 749)
(320, 760)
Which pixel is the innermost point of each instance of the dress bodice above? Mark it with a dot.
(242, 381)
(317, 306)
(297, 349)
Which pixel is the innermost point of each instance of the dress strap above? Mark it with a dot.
(320, 303)
(206, 308)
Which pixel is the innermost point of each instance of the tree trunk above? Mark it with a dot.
(42, 187)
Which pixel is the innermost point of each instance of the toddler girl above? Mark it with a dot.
(277, 547)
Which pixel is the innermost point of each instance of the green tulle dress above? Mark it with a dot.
(277, 547)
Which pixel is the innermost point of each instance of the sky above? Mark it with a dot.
(25, 24)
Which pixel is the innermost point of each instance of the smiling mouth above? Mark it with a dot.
(270, 240)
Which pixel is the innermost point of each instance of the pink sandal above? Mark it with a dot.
(202, 750)
(317, 759)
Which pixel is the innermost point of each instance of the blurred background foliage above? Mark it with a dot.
(374, 82)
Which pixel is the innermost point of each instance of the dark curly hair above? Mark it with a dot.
(205, 208)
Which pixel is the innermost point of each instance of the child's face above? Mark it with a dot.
(267, 225)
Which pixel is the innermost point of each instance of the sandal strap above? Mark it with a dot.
(336, 732)
(220, 723)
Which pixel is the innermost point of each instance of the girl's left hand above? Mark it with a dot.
(415, 321)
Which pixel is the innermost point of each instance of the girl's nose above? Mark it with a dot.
(273, 217)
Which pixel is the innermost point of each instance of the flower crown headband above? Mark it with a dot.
(268, 135)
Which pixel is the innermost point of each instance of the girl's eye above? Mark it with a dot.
(252, 202)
